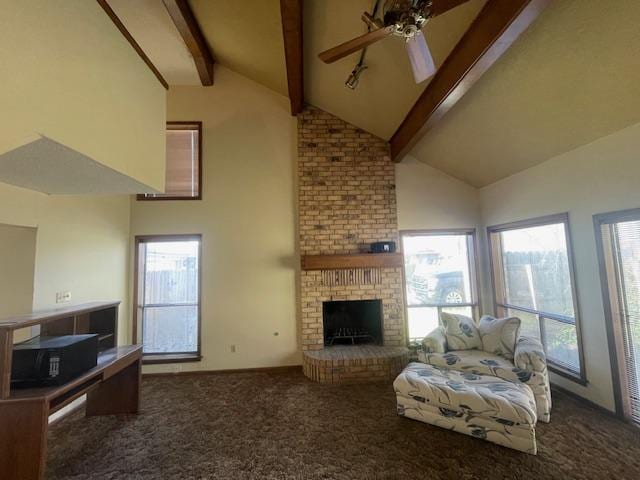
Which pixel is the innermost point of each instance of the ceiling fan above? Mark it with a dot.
(402, 18)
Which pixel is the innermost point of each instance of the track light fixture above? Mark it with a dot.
(354, 77)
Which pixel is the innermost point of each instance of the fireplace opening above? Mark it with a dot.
(352, 322)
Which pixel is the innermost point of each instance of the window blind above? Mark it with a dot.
(183, 151)
(622, 240)
(182, 163)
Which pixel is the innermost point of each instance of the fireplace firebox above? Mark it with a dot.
(352, 322)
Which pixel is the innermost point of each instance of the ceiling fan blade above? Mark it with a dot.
(438, 7)
(420, 57)
(355, 44)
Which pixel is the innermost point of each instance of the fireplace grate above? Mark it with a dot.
(349, 334)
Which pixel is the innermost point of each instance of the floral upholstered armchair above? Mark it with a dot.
(493, 347)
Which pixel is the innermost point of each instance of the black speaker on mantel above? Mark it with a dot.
(383, 247)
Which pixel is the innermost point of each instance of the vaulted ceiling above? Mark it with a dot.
(386, 90)
(571, 78)
(246, 36)
(152, 27)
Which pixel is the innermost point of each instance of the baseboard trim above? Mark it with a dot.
(585, 401)
(282, 369)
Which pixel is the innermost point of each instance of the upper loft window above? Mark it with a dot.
(184, 163)
(533, 280)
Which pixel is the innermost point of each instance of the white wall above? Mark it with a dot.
(17, 265)
(598, 177)
(246, 219)
(82, 246)
(430, 199)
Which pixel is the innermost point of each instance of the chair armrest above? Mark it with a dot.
(529, 355)
(435, 342)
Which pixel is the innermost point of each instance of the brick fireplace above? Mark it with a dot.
(346, 200)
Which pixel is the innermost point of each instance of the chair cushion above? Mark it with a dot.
(499, 335)
(477, 362)
(460, 331)
(456, 392)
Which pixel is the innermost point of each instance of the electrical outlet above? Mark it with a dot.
(233, 349)
(63, 297)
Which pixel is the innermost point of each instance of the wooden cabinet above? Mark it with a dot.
(112, 387)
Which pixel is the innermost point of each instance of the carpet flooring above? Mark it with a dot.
(283, 426)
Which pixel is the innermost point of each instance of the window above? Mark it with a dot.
(167, 292)
(440, 277)
(184, 163)
(618, 240)
(533, 280)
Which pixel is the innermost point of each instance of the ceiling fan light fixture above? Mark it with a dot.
(354, 76)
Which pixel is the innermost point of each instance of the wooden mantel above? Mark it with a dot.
(354, 260)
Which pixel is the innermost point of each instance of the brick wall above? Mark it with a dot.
(346, 200)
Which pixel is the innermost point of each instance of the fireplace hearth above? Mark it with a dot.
(352, 322)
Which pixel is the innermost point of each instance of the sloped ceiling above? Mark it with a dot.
(246, 37)
(152, 27)
(386, 90)
(573, 77)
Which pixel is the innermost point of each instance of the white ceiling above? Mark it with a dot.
(571, 78)
(386, 90)
(151, 26)
(246, 37)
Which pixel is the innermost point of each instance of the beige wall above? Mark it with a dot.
(17, 264)
(431, 199)
(598, 177)
(246, 219)
(82, 246)
(69, 74)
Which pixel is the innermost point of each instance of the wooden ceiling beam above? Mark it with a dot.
(438, 7)
(495, 29)
(291, 12)
(186, 23)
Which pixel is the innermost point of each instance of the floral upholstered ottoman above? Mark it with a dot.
(482, 406)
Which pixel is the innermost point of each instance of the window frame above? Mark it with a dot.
(563, 218)
(614, 336)
(143, 197)
(138, 269)
(474, 278)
